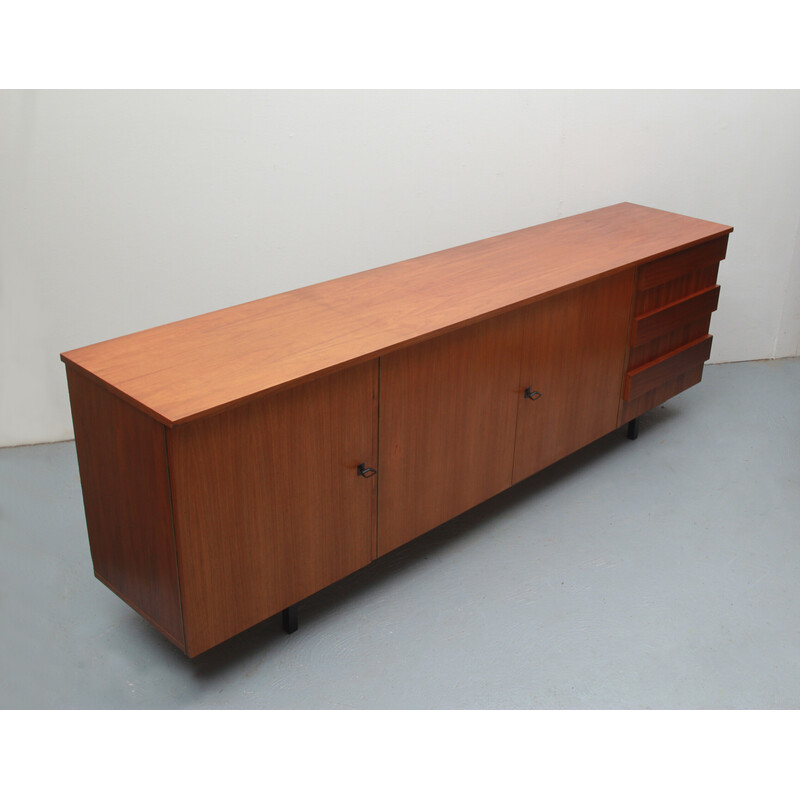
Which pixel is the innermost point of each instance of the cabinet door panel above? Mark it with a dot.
(269, 506)
(448, 409)
(574, 347)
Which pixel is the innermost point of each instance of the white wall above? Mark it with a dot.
(123, 210)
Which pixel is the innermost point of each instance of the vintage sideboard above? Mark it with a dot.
(236, 462)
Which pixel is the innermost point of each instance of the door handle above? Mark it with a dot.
(366, 472)
(531, 395)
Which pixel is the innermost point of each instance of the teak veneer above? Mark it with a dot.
(236, 462)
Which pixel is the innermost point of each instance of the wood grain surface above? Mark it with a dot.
(664, 270)
(189, 369)
(655, 373)
(448, 413)
(681, 287)
(675, 315)
(660, 394)
(269, 506)
(122, 460)
(574, 356)
(668, 342)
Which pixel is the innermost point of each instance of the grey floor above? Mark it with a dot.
(660, 573)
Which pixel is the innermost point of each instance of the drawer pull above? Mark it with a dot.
(675, 266)
(366, 472)
(666, 319)
(652, 375)
(531, 395)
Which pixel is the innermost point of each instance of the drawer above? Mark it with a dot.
(672, 267)
(652, 375)
(663, 392)
(642, 354)
(673, 316)
(680, 288)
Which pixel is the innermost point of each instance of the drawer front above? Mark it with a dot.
(668, 343)
(674, 316)
(650, 376)
(670, 268)
(680, 288)
(663, 392)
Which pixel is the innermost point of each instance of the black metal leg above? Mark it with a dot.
(633, 428)
(290, 619)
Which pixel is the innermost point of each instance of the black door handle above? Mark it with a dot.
(366, 472)
(531, 395)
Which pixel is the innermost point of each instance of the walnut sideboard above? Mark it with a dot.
(235, 463)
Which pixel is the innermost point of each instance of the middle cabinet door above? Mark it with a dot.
(448, 411)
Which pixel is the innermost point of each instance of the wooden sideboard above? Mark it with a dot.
(235, 463)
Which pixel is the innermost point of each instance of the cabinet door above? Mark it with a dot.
(448, 408)
(573, 359)
(269, 505)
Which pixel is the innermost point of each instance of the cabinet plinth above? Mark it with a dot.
(234, 463)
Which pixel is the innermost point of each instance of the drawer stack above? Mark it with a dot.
(669, 342)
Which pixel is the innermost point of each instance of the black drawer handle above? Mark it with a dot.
(531, 395)
(366, 472)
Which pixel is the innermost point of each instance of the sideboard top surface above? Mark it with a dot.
(198, 366)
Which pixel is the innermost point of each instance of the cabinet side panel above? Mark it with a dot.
(269, 505)
(574, 356)
(123, 467)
